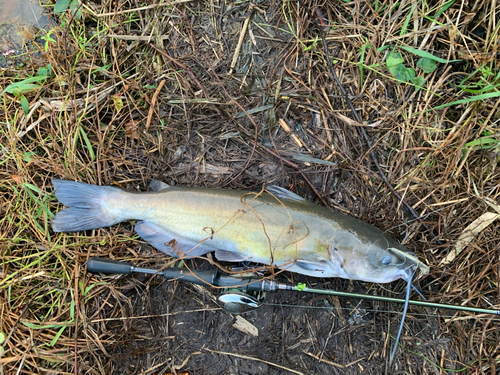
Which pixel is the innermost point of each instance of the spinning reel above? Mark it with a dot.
(241, 293)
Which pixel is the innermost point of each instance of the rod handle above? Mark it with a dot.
(101, 265)
(183, 274)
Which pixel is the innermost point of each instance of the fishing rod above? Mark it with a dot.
(244, 292)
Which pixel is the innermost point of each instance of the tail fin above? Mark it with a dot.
(86, 206)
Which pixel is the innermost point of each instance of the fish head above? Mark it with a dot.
(380, 262)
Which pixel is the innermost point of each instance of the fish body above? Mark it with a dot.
(275, 227)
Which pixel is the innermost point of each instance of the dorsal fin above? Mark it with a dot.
(282, 193)
(156, 185)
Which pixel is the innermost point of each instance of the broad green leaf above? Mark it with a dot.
(418, 82)
(43, 71)
(403, 73)
(427, 65)
(393, 61)
(62, 5)
(25, 104)
(426, 54)
(28, 156)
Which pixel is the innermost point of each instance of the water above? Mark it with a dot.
(20, 21)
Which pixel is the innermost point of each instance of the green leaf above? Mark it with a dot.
(43, 71)
(362, 60)
(56, 337)
(24, 85)
(87, 143)
(118, 102)
(25, 104)
(55, 325)
(407, 21)
(427, 65)
(393, 61)
(418, 82)
(62, 5)
(482, 143)
(444, 8)
(28, 156)
(476, 98)
(403, 73)
(426, 54)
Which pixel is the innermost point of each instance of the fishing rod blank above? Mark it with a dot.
(301, 288)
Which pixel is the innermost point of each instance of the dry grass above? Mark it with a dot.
(179, 92)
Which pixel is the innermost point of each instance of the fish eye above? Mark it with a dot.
(386, 260)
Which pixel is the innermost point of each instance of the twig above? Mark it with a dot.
(163, 53)
(153, 102)
(142, 38)
(369, 143)
(294, 166)
(240, 42)
(170, 3)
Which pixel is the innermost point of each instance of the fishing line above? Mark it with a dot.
(405, 309)
(362, 310)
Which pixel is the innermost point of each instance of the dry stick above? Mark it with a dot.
(153, 102)
(240, 42)
(163, 53)
(370, 145)
(170, 3)
(140, 15)
(255, 359)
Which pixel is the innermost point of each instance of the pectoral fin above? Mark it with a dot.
(156, 185)
(170, 243)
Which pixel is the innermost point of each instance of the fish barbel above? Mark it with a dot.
(274, 227)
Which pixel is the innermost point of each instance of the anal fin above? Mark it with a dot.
(229, 256)
(170, 243)
(310, 266)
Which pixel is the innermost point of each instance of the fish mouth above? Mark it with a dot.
(411, 259)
